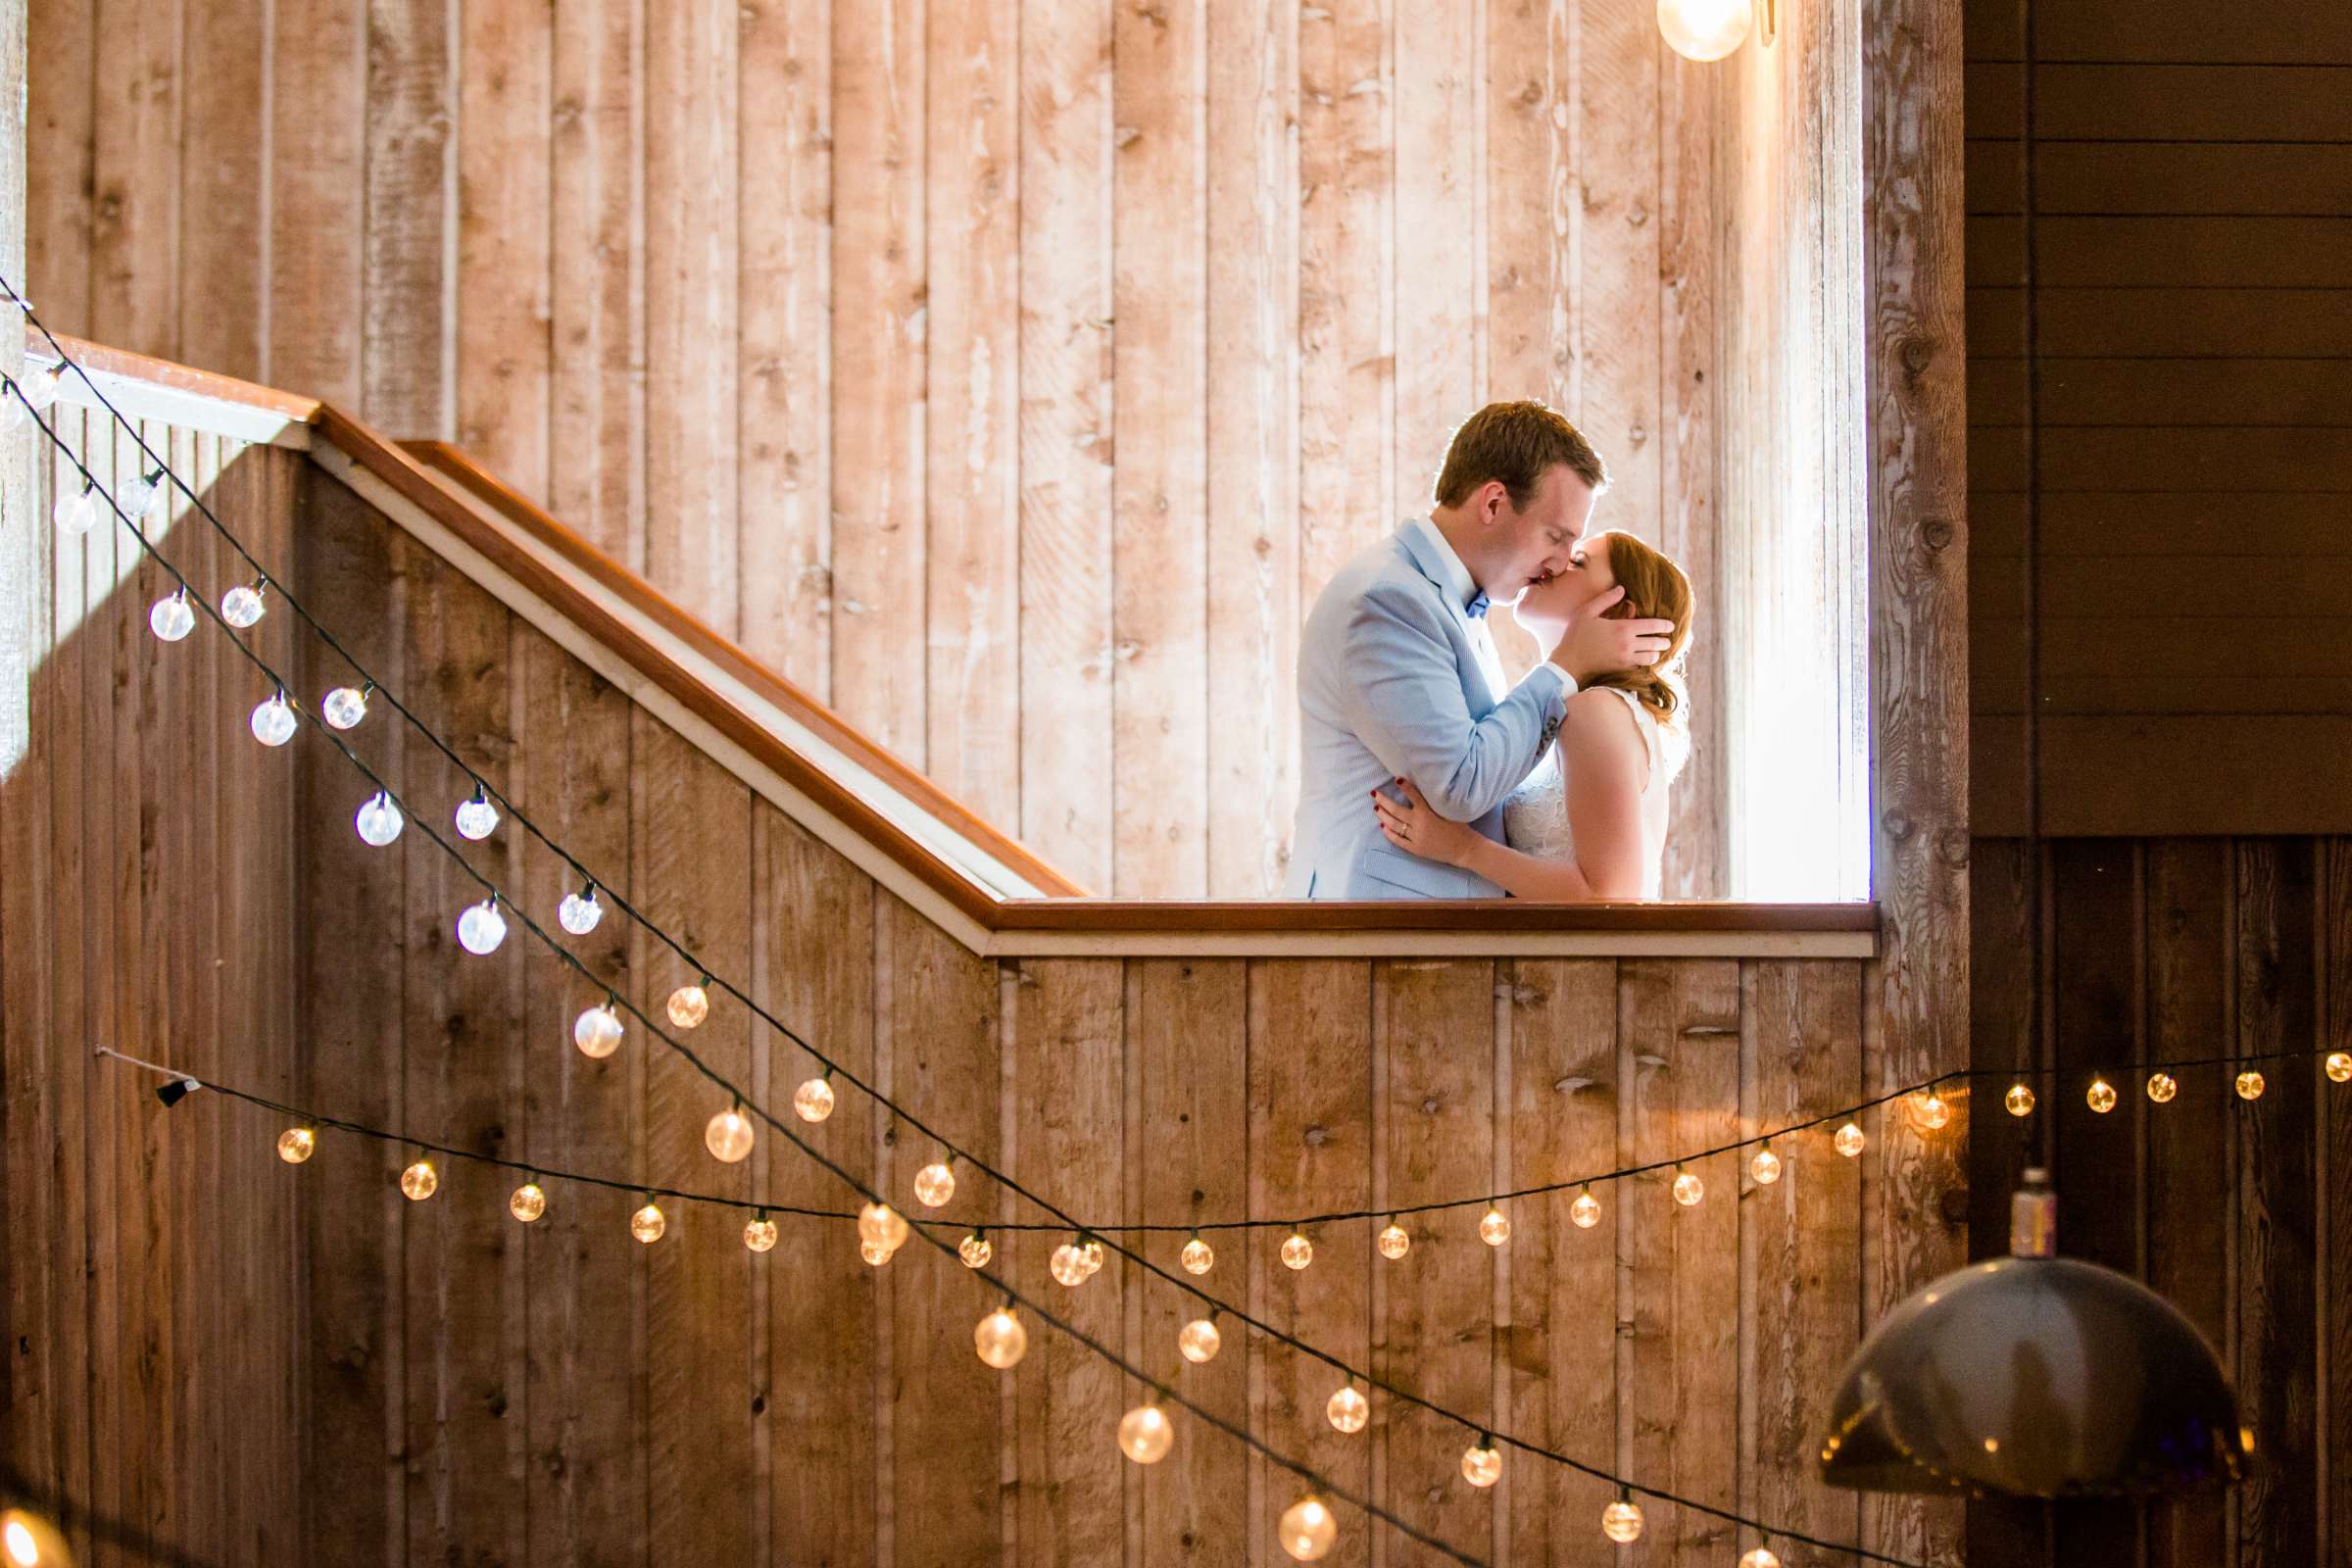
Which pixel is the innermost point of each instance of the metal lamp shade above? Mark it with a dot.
(2037, 1377)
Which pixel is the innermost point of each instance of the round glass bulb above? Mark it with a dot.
(1585, 1212)
(30, 1541)
(2162, 1087)
(1765, 1167)
(1198, 1257)
(1307, 1530)
(477, 818)
(1000, 1340)
(481, 928)
(882, 1225)
(77, 514)
(141, 496)
(729, 1136)
(1930, 1112)
(14, 414)
(1349, 1410)
(760, 1234)
(379, 821)
(1068, 1267)
(1761, 1557)
(648, 1224)
(597, 1032)
(1689, 1188)
(274, 720)
(1146, 1434)
(1493, 1227)
(1703, 29)
(934, 1185)
(1198, 1341)
(975, 1250)
(2340, 1066)
(527, 1202)
(1621, 1521)
(1481, 1467)
(2250, 1086)
(874, 1252)
(241, 605)
(40, 387)
(170, 618)
(296, 1143)
(812, 1100)
(2019, 1101)
(1850, 1140)
(1091, 1251)
(1297, 1251)
(1394, 1242)
(344, 707)
(579, 913)
(2100, 1096)
(689, 1005)
(420, 1181)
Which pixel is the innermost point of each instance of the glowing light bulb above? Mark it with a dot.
(1482, 1466)
(77, 514)
(2100, 1096)
(274, 720)
(812, 1100)
(2019, 1101)
(1146, 1434)
(579, 911)
(1687, 1188)
(975, 1250)
(1347, 1410)
(1307, 1530)
(882, 1225)
(597, 1032)
(1068, 1267)
(2162, 1087)
(689, 1005)
(2250, 1085)
(481, 928)
(1394, 1242)
(1585, 1212)
(1198, 1341)
(477, 818)
(1621, 1521)
(142, 495)
(1703, 29)
(242, 605)
(379, 821)
(1298, 1252)
(420, 1181)
(760, 1233)
(1198, 1256)
(1000, 1340)
(344, 707)
(1930, 1112)
(1091, 1251)
(1761, 1557)
(1765, 1167)
(296, 1143)
(934, 1184)
(22, 1550)
(2340, 1066)
(1493, 1227)
(648, 1223)
(874, 1252)
(1850, 1140)
(729, 1136)
(32, 1542)
(527, 1202)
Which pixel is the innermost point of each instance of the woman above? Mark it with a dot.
(1589, 822)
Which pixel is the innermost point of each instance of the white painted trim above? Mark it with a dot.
(1431, 944)
(188, 411)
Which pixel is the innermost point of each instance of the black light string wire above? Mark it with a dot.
(1485, 1429)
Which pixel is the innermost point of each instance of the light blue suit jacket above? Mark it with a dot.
(1390, 686)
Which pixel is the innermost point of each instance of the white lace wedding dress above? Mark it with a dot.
(1534, 818)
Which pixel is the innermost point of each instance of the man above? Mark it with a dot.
(1398, 675)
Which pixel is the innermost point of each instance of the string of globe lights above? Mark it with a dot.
(482, 929)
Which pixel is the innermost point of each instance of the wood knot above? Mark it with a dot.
(1429, 1106)
(1917, 353)
(1952, 848)
(1897, 825)
(1317, 1137)
(1936, 533)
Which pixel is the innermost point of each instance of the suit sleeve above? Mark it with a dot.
(1405, 701)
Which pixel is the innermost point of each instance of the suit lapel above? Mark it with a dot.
(1418, 549)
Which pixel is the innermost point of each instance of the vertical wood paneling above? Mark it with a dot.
(1435, 86)
(317, 210)
(504, 227)
(2334, 923)
(135, 126)
(1615, 239)
(1160, 489)
(221, 200)
(407, 302)
(879, 441)
(58, 158)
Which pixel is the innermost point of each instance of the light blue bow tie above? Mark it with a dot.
(1476, 609)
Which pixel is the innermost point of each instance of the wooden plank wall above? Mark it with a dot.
(155, 1289)
(1009, 374)
(2193, 203)
(2179, 949)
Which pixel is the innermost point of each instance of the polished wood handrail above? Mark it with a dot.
(422, 473)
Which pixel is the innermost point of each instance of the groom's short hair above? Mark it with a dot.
(1516, 443)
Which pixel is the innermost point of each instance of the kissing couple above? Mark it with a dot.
(1425, 774)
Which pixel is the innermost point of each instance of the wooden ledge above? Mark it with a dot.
(145, 388)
